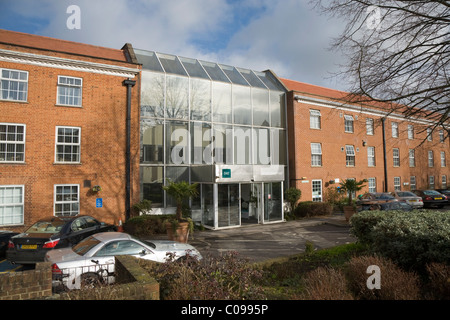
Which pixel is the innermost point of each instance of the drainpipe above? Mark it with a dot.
(384, 155)
(129, 83)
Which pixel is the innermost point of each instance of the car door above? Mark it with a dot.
(78, 230)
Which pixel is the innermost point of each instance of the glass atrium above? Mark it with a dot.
(220, 126)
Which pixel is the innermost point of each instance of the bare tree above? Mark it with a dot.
(398, 54)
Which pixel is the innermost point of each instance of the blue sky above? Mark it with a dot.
(287, 36)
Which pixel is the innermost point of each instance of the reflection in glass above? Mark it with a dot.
(242, 145)
(242, 106)
(201, 144)
(221, 102)
(200, 96)
(152, 94)
(223, 144)
(261, 146)
(171, 64)
(177, 142)
(194, 68)
(278, 146)
(177, 97)
(152, 133)
(151, 179)
(272, 201)
(261, 107)
(228, 205)
(208, 214)
(277, 109)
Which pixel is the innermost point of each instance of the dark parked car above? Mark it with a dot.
(4, 239)
(386, 206)
(431, 198)
(371, 200)
(50, 233)
(445, 192)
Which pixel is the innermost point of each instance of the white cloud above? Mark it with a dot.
(286, 36)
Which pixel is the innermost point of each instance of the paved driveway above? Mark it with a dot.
(261, 242)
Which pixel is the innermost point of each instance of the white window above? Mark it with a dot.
(348, 123)
(69, 91)
(316, 154)
(430, 159)
(444, 182)
(394, 129)
(443, 164)
(441, 136)
(314, 119)
(429, 134)
(11, 205)
(13, 85)
(410, 132)
(371, 156)
(369, 126)
(12, 142)
(349, 156)
(67, 200)
(412, 158)
(397, 184)
(372, 185)
(431, 182)
(396, 154)
(412, 183)
(317, 190)
(68, 144)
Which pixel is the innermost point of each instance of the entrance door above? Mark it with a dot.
(251, 206)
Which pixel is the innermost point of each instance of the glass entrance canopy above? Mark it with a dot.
(221, 126)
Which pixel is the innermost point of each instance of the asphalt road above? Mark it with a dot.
(262, 242)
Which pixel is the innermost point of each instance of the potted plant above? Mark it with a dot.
(350, 186)
(142, 207)
(179, 227)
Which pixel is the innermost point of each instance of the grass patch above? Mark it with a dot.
(283, 279)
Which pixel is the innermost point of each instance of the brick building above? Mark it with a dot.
(330, 141)
(63, 129)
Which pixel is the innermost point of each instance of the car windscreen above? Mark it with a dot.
(85, 245)
(384, 196)
(406, 194)
(431, 193)
(46, 227)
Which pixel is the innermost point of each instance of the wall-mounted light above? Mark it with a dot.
(364, 143)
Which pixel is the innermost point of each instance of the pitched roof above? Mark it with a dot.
(62, 46)
(311, 89)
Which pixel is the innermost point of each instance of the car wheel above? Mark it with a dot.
(90, 280)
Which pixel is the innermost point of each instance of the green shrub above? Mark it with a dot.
(311, 209)
(411, 239)
(146, 225)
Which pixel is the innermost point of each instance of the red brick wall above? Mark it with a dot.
(102, 119)
(333, 137)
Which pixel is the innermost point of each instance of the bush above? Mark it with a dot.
(396, 284)
(227, 277)
(146, 225)
(438, 282)
(326, 283)
(311, 209)
(411, 239)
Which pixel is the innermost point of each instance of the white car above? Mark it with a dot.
(92, 260)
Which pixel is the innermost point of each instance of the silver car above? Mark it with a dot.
(408, 197)
(92, 260)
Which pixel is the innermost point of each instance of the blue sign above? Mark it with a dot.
(99, 202)
(226, 173)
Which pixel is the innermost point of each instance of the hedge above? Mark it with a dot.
(311, 209)
(411, 239)
(146, 225)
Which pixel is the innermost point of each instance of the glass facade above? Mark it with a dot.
(220, 126)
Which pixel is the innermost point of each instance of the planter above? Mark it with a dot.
(349, 211)
(180, 233)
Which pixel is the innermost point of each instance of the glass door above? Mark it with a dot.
(228, 205)
(250, 202)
